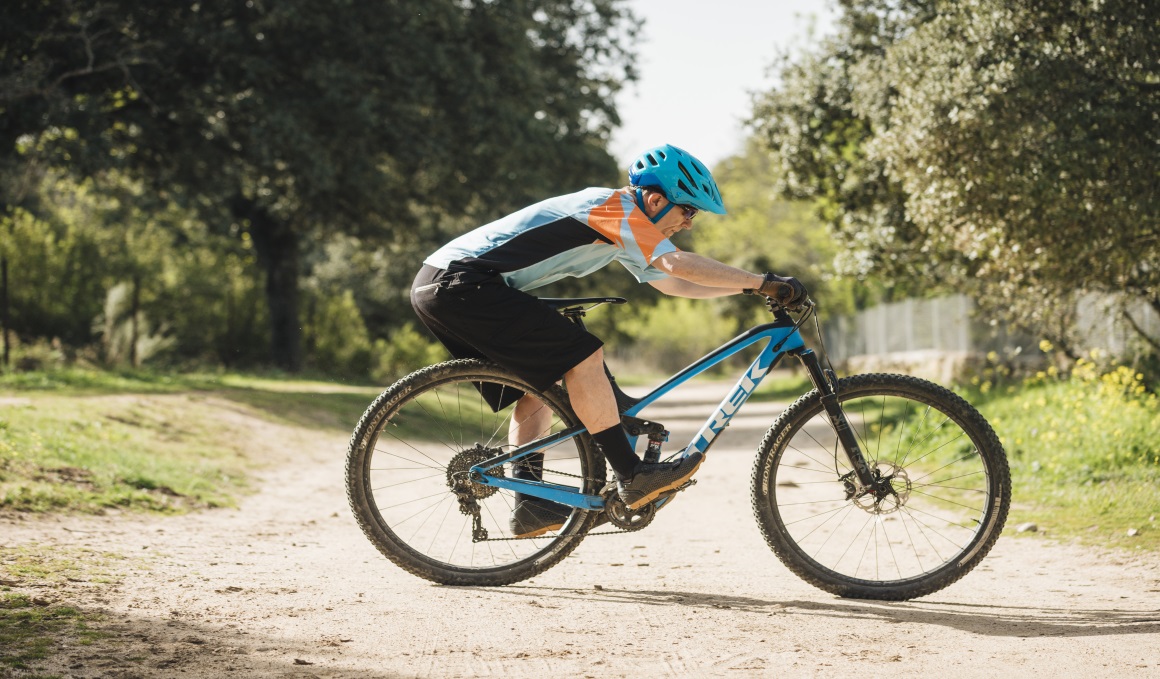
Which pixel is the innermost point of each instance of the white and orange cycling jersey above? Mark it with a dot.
(571, 235)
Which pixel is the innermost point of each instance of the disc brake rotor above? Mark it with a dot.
(890, 492)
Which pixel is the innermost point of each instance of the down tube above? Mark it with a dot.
(738, 396)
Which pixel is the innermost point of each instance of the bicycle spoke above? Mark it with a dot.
(811, 458)
(951, 502)
(415, 475)
(403, 483)
(412, 447)
(929, 500)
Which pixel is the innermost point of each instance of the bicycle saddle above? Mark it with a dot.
(561, 302)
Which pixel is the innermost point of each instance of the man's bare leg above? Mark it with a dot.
(591, 393)
(531, 420)
(595, 405)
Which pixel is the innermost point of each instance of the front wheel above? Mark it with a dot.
(940, 501)
(408, 482)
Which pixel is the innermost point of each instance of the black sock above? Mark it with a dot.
(619, 454)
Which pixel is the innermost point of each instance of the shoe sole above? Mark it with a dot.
(660, 491)
(541, 531)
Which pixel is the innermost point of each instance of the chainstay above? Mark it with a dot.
(561, 537)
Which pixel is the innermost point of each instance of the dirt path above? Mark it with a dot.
(288, 586)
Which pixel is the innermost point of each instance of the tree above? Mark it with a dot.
(1008, 147)
(296, 119)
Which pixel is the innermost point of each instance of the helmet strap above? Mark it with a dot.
(660, 215)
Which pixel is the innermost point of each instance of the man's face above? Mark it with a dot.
(674, 221)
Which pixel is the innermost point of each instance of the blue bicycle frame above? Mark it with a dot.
(782, 338)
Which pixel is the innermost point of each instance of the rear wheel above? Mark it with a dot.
(940, 501)
(407, 476)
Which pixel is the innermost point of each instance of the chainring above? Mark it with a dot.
(624, 518)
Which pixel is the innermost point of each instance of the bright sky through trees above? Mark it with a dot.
(699, 62)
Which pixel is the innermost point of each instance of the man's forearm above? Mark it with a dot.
(706, 271)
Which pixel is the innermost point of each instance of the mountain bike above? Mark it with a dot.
(873, 486)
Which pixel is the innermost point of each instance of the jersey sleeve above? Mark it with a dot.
(639, 242)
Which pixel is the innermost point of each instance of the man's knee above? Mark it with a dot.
(589, 366)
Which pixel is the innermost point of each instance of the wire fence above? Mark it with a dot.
(949, 324)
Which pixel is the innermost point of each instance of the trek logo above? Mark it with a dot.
(729, 406)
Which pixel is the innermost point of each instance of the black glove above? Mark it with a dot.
(787, 291)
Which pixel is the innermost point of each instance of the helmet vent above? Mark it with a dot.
(681, 186)
(653, 160)
(685, 171)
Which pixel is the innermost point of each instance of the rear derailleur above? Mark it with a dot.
(469, 506)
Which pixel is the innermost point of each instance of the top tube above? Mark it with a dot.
(777, 333)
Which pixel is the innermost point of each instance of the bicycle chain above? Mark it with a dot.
(560, 537)
(570, 537)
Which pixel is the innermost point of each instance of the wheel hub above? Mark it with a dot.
(459, 477)
(889, 493)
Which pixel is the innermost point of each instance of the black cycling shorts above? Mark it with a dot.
(476, 315)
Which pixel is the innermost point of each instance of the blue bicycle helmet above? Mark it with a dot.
(681, 177)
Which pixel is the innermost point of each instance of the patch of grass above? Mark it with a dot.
(31, 627)
(53, 565)
(1084, 453)
(85, 440)
(81, 381)
(34, 626)
(89, 454)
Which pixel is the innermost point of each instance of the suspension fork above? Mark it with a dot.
(826, 383)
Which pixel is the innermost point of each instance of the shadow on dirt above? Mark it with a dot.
(984, 619)
(152, 647)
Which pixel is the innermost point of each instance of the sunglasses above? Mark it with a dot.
(689, 212)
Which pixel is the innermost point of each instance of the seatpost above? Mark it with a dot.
(837, 416)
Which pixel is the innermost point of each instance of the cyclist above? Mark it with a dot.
(472, 295)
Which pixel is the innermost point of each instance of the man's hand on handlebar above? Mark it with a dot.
(786, 291)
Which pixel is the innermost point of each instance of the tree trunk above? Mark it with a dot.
(276, 245)
(4, 305)
(134, 309)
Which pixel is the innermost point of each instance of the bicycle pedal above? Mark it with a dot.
(669, 494)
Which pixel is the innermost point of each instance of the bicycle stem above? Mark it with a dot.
(829, 396)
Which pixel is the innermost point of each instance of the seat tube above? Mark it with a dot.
(837, 416)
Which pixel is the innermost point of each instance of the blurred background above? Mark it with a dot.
(251, 185)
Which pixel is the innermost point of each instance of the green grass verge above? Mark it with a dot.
(89, 454)
(1084, 454)
(76, 440)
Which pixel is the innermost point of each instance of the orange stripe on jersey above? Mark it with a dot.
(619, 217)
(647, 236)
(607, 218)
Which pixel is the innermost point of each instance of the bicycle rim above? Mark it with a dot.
(945, 504)
(426, 432)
